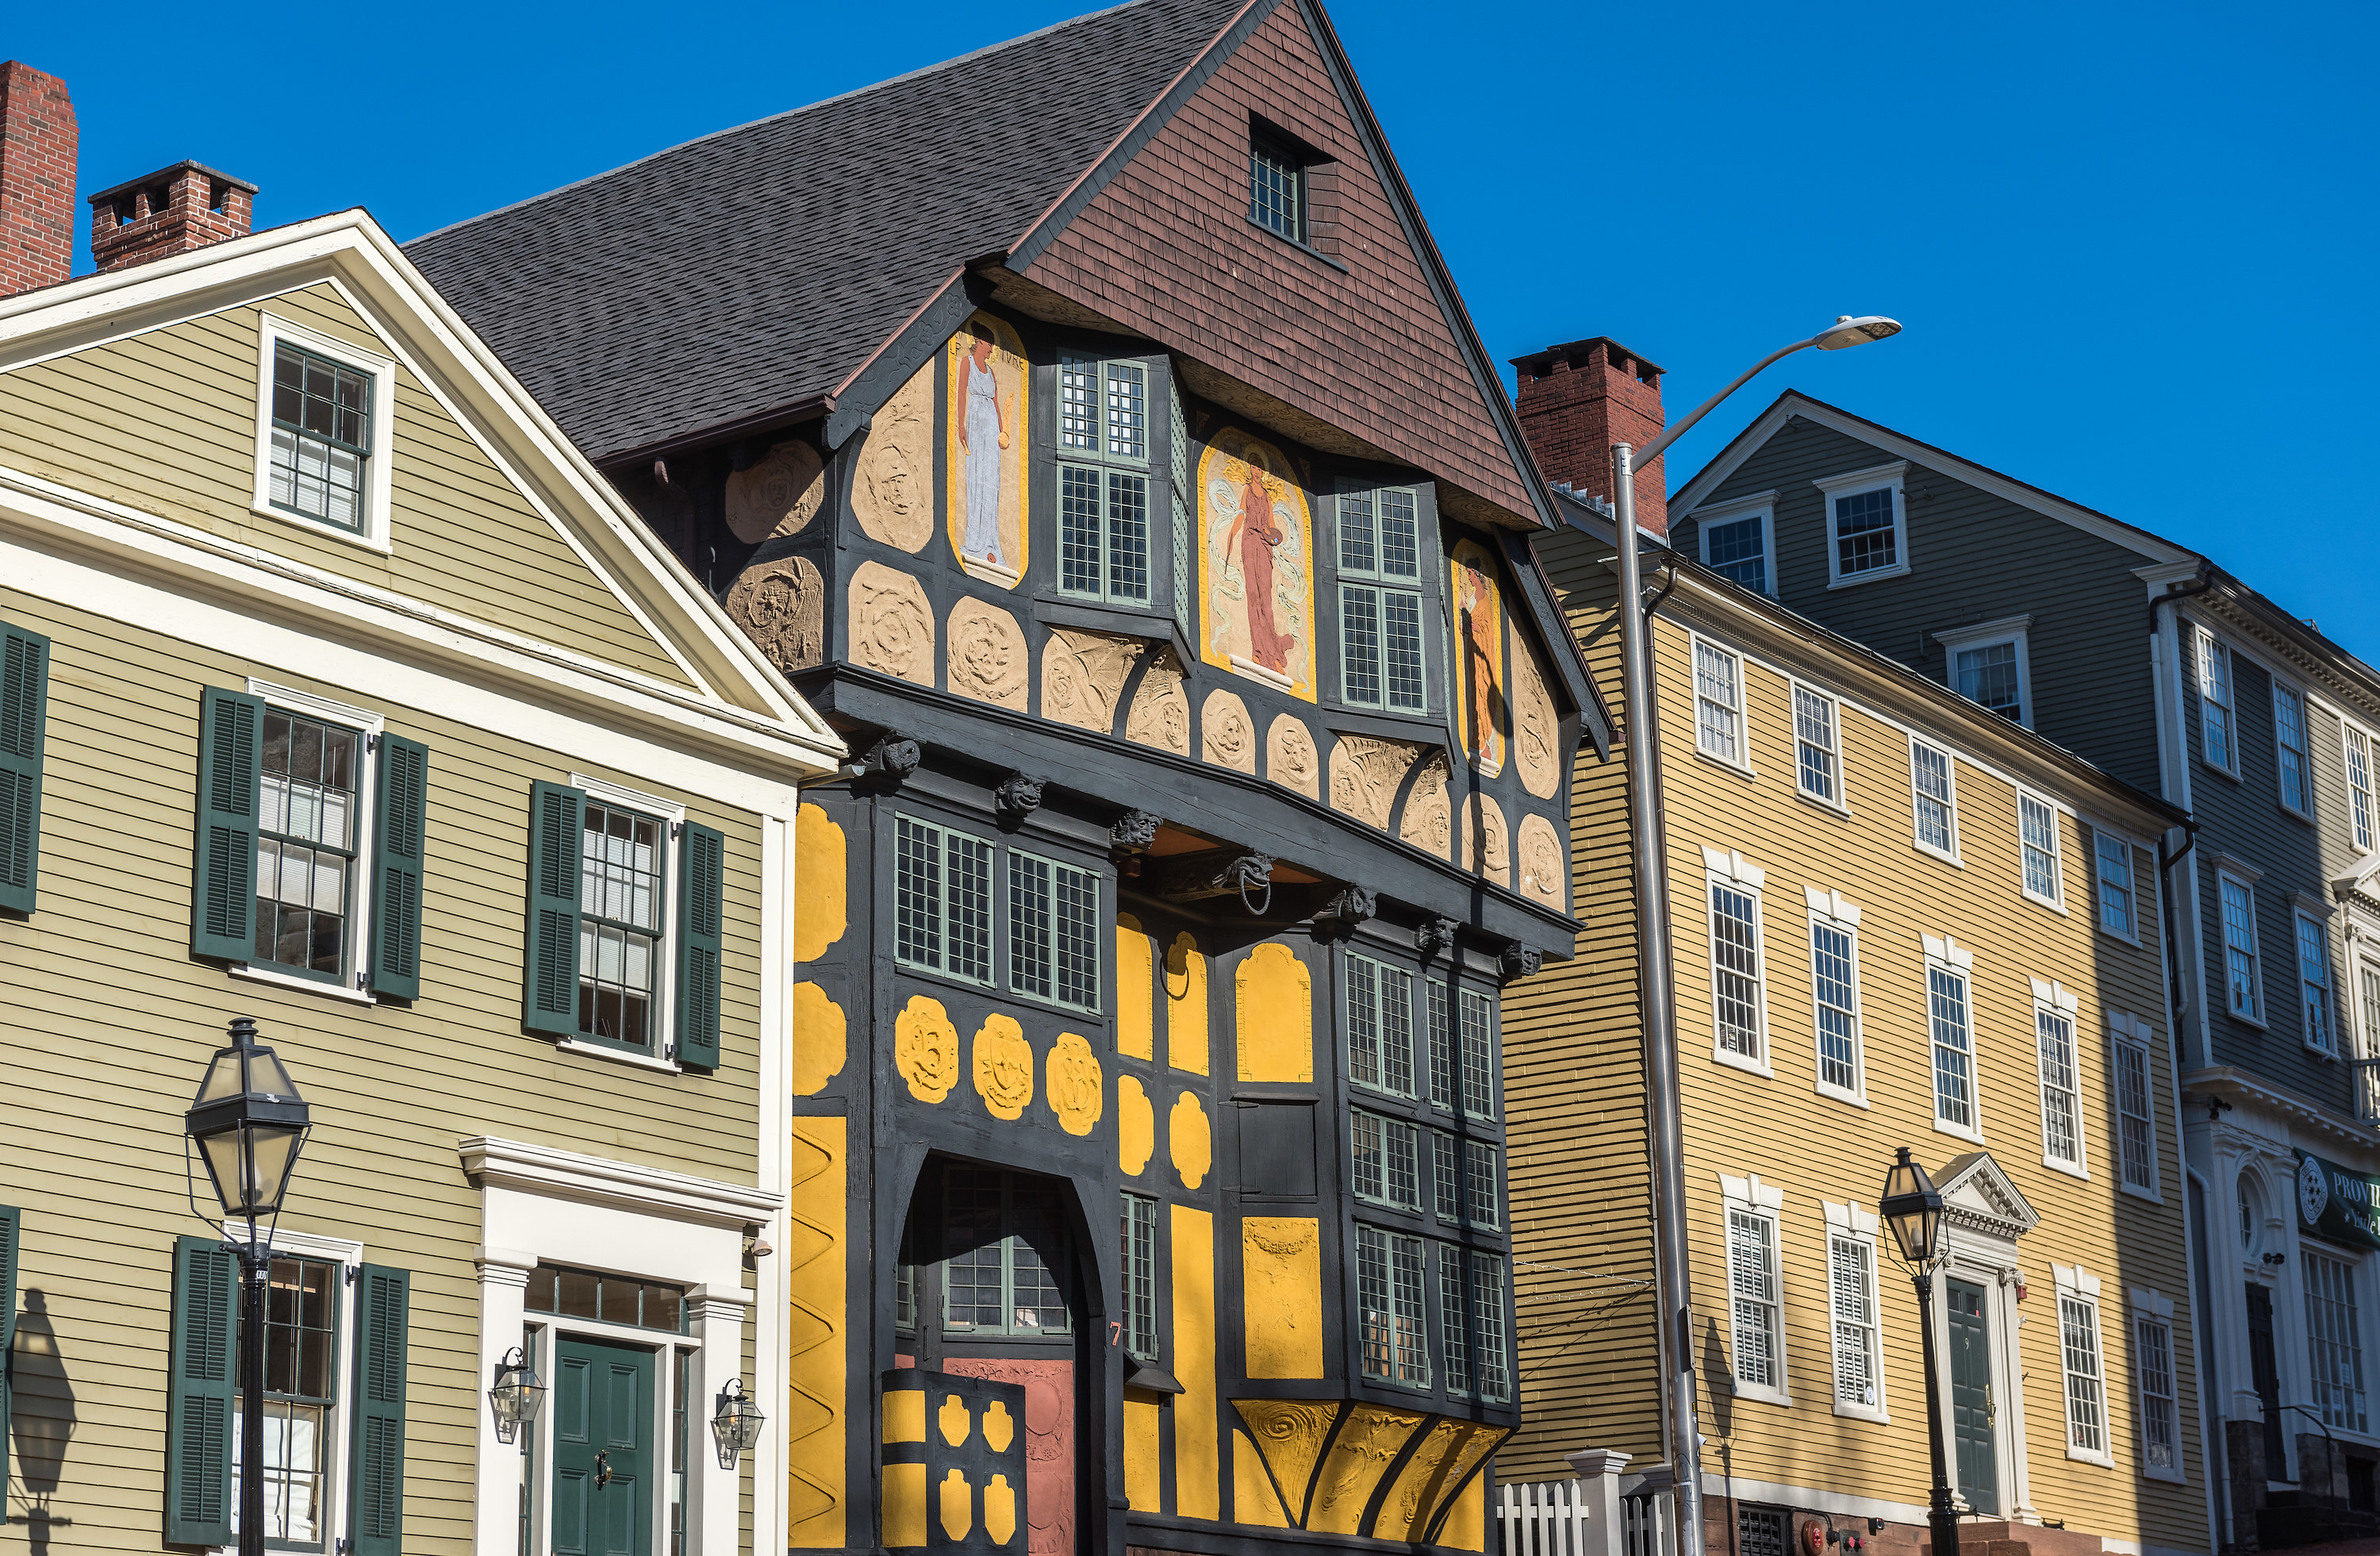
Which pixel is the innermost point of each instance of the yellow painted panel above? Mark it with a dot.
(820, 877)
(1004, 1067)
(1371, 1436)
(1135, 1126)
(958, 1505)
(1280, 1260)
(1190, 1138)
(1076, 1091)
(958, 1423)
(1144, 1467)
(905, 1505)
(1466, 1526)
(819, 1040)
(1253, 1498)
(905, 1415)
(1482, 1441)
(1136, 990)
(1290, 1433)
(926, 1049)
(1276, 1015)
(998, 1427)
(1197, 1469)
(1185, 1006)
(999, 1510)
(1414, 1496)
(816, 1243)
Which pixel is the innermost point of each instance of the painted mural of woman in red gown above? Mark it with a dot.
(1256, 557)
(1252, 540)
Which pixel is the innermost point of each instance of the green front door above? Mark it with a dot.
(601, 1433)
(1972, 1410)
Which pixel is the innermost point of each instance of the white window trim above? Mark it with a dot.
(2057, 998)
(1851, 483)
(2133, 865)
(2154, 1307)
(2074, 1281)
(1766, 1201)
(2305, 745)
(1946, 952)
(354, 989)
(2128, 1030)
(2349, 732)
(1983, 635)
(2057, 851)
(1733, 869)
(1950, 775)
(1742, 764)
(1859, 1224)
(1759, 504)
(2319, 918)
(2245, 876)
(382, 371)
(1831, 909)
(672, 814)
(1841, 801)
(2199, 638)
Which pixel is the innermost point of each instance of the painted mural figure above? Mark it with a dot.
(1257, 537)
(1482, 611)
(984, 500)
(983, 437)
(1255, 565)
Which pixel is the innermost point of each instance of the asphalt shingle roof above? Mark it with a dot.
(751, 269)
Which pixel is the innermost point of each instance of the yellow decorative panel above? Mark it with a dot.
(1366, 1444)
(820, 873)
(998, 1427)
(999, 1510)
(905, 1415)
(816, 1245)
(958, 1505)
(1466, 1456)
(1280, 1262)
(1004, 1067)
(1290, 1433)
(1466, 1526)
(1077, 1091)
(818, 1040)
(905, 1505)
(1185, 1006)
(1136, 989)
(1405, 1515)
(1253, 1498)
(1144, 1471)
(1191, 1140)
(956, 1423)
(1275, 1017)
(926, 1049)
(1135, 1126)
(1197, 1469)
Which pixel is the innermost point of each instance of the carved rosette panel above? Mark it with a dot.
(1289, 1434)
(1160, 709)
(1083, 674)
(990, 660)
(1536, 728)
(1486, 842)
(1004, 1067)
(782, 606)
(891, 625)
(1545, 869)
(926, 1049)
(892, 484)
(1291, 758)
(1077, 1089)
(1226, 737)
(778, 495)
(1364, 775)
(1428, 821)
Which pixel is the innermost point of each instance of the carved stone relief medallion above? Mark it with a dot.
(1160, 709)
(778, 495)
(1227, 738)
(1077, 1091)
(1082, 676)
(1486, 843)
(891, 625)
(1545, 869)
(1364, 774)
(1428, 821)
(1004, 1067)
(926, 1049)
(781, 605)
(1537, 730)
(892, 484)
(1290, 759)
(988, 657)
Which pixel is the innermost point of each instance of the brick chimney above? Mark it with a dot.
(37, 179)
(1576, 401)
(171, 211)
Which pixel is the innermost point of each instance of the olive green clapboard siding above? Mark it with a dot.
(1581, 1196)
(1816, 1149)
(112, 1021)
(165, 421)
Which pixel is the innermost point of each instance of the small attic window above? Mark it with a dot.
(1276, 187)
(323, 421)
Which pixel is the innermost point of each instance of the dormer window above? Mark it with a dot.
(324, 414)
(1867, 529)
(1277, 189)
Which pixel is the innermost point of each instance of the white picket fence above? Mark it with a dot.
(1588, 1516)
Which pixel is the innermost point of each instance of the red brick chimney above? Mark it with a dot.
(37, 179)
(171, 211)
(1576, 401)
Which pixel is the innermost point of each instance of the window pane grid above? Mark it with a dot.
(1481, 1161)
(970, 906)
(1988, 675)
(1937, 821)
(1851, 1278)
(2239, 948)
(2314, 978)
(1359, 643)
(2038, 825)
(1478, 1054)
(1140, 1275)
(2160, 1432)
(1441, 1048)
(1735, 965)
(2078, 1324)
(2336, 1342)
(1487, 1310)
(305, 853)
(1028, 925)
(1400, 534)
(321, 442)
(1358, 544)
(1717, 707)
(2115, 861)
(1814, 744)
(1737, 550)
(2215, 699)
(1128, 411)
(1078, 413)
(1446, 1168)
(1273, 194)
(2135, 1120)
(916, 893)
(2359, 785)
(1077, 947)
(2061, 1113)
(1127, 537)
(2289, 727)
(1453, 1319)
(619, 927)
(1078, 529)
(1752, 1286)
(1864, 538)
(300, 1361)
(1954, 1100)
(1831, 971)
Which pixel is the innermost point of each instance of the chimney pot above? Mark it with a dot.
(172, 211)
(1577, 400)
(37, 179)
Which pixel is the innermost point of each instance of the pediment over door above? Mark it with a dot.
(1978, 1195)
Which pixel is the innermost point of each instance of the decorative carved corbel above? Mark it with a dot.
(1433, 936)
(1520, 961)
(1135, 832)
(1350, 908)
(1019, 794)
(890, 760)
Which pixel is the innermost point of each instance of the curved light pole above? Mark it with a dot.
(1653, 929)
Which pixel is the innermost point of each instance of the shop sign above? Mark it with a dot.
(2338, 1202)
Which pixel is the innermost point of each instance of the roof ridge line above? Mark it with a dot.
(786, 113)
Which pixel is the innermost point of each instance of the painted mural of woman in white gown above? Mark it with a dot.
(983, 442)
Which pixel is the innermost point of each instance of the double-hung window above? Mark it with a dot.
(2062, 1085)
(2078, 1337)
(1851, 1284)
(1933, 789)
(941, 900)
(1755, 1300)
(1738, 997)
(2314, 980)
(2359, 786)
(1389, 1280)
(1950, 1018)
(1379, 1026)
(2132, 1078)
(1988, 675)
(2112, 859)
(2335, 1342)
(306, 843)
(1103, 480)
(1817, 745)
(2244, 970)
(1866, 536)
(1140, 1276)
(2293, 773)
(1736, 541)
(2215, 703)
(1834, 986)
(324, 415)
(2038, 835)
(2161, 1417)
(301, 1388)
(1719, 704)
(621, 896)
(1380, 557)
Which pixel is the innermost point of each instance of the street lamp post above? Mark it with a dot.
(1653, 929)
(1911, 1206)
(248, 1124)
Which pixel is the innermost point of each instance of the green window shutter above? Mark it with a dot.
(557, 818)
(198, 1393)
(376, 1456)
(11, 1221)
(231, 768)
(401, 794)
(701, 863)
(24, 703)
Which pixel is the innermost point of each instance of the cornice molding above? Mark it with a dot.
(2240, 1087)
(619, 1185)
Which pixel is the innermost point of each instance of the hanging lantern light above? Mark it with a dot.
(516, 1395)
(737, 1425)
(1911, 1206)
(249, 1123)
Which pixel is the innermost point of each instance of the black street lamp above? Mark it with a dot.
(1911, 1206)
(248, 1124)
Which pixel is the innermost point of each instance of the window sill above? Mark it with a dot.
(2224, 772)
(2050, 902)
(2244, 1019)
(1972, 1137)
(2318, 1051)
(2137, 1192)
(1862, 1413)
(618, 1056)
(1874, 575)
(2071, 1171)
(2132, 940)
(1851, 1098)
(1734, 1061)
(302, 985)
(1766, 1397)
(1130, 621)
(1417, 727)
(378, 544)
(1741, 768)
(1301, 248)
(2105, 1460)
(1933, 853)
(2170, 1476)
(2293, 813)
(1839, 809)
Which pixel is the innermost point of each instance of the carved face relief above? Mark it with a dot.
(891, 494)
(1004, 1067)
(1486, 843)
(926, 1049)
(1545, 873)
(1160, 710)
(1536, 731)
(1290, 759)
(892, 627)
(1429, 819)
(782, 606)
(1228, 738)
(778, 495)
(1077, 1094)
(987, 655)
(1364, 775)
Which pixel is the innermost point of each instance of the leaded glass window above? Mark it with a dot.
(306, 843)
(1053, 939)
(1379, 1026)
(1004, 1265)
(1483, 1174)
(1487, 1318)
(1454, 1318)
(1441, 1047)
(1478, 1054)
(1103, 514)
(1389, 1277)
(1140, 1276)
(1379, 600)
(941, 900)
(1388, 1159)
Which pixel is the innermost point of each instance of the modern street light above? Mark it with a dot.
(1653, 925)
(248, 1124)
(1911, 1206)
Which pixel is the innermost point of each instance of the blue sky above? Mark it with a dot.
(2132, 243)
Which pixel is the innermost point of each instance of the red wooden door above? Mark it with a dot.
(1049, 1443)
